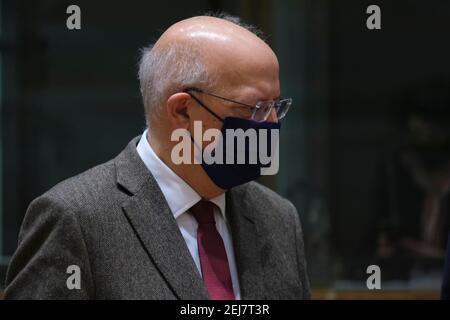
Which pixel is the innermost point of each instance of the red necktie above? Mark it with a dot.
(213, 257)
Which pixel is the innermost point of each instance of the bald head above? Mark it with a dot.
(211, 53)
(213, 35)
(227, 49)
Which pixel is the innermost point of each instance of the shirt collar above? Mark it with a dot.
(179, 195)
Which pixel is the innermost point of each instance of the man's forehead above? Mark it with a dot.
(256, 91)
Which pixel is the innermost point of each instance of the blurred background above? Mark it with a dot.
(365, 153)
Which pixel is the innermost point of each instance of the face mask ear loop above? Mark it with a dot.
(198, 149)
(204, 106)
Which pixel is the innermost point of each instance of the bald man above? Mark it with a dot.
(147, 226)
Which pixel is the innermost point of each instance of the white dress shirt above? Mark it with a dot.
(181, 197)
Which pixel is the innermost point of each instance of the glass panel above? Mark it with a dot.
(1, 136)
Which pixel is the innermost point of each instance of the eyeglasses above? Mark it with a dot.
(259, 112)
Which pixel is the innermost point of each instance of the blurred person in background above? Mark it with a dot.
(415, 189)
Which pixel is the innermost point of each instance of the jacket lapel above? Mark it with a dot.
(249, 248)
(151, 219)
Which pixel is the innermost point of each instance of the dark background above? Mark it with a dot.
(70, 100)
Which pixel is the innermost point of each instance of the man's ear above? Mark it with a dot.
(177, 110)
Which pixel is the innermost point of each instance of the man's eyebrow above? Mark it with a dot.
(277, 98)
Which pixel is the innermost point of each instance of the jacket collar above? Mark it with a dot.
(151, 219)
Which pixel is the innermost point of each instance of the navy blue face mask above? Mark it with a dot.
(229, 174)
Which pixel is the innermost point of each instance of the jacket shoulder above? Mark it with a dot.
(87, 187)
(259, 192)
(269, 203)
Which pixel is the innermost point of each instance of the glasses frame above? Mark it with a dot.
(255, 107)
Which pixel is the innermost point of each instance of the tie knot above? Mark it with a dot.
(203, 212)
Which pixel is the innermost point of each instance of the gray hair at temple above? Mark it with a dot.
(166, 71)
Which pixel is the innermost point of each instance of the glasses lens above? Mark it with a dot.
(282, 107)
(262, 110)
